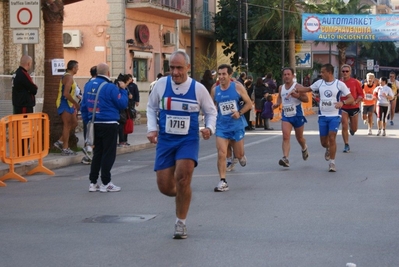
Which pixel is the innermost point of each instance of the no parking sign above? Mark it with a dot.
(24, 14)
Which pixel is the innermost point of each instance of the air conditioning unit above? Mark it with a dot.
(169, 38)
(72, 38)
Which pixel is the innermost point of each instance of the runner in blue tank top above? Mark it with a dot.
(172, 120)
(292, 115)
(230, 123)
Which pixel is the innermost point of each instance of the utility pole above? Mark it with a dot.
(239, 34)
(245, 23)
(282, 35)
(192, 35)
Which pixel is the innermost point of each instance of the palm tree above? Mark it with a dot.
(272, 18)
(53, 16)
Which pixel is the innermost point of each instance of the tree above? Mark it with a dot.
(272, 19)
(383, 52)
(53, 16)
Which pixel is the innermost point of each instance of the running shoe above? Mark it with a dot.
(94, 187)
(222, 186)
(243, 161)
(110, 187)
(370, 132)
(331, 167)
(88, 151)
(379, 133)
(68, 152)
(391, 122)
(352, 132)
(383, 133)
(58, 145)
(86, 161)
(327, 154)
(230, 166)
(180, 231)
(284, 162)
(365, 122)
(305, 154)
(347, 148)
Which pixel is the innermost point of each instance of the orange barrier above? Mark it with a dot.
(307, 107)
(24, 137)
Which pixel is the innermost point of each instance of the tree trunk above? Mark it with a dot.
(341, 55)
(53, 16)
(291, 47)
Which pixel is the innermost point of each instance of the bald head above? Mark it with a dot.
(102, 69)
(26, 62)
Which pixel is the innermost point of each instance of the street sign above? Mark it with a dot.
(58, 66)
(303, 56)
(24, 14)
(26, 36)
(370, 64)
(376, 68)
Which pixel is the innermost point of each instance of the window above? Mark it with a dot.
(166, 66)
(205, 16)
(140, 70)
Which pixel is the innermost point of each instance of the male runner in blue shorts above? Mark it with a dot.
(330, 90)
(293, 115)
(230, 124)
(174, 106)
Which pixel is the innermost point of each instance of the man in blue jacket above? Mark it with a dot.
(111, 100)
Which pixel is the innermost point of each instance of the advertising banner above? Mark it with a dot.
(350, 28)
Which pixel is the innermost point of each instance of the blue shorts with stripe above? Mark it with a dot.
(328, 124)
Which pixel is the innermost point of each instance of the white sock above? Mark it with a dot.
(183, 221)
(332, 161)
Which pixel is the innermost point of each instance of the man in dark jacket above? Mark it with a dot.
(23, 88)
(111, 100)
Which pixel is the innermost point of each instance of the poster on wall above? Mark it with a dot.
(350, 28)
(58, 66)
(303, 56)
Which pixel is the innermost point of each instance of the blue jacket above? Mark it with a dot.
(110, 101)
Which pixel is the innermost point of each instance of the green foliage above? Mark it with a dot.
(384, 52)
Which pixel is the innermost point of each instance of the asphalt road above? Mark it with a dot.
(299, 216)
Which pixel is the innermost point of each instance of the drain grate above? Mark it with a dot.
(119, 218)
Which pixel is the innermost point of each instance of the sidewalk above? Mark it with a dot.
(137, 140)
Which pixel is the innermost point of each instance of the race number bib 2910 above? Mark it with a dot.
(177, 124)
(228, 107)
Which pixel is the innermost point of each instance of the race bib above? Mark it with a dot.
(327, 105)
(177, 124)
(228, 107)
(289, 110)
(368, 97)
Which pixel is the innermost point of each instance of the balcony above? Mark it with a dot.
(203, 24)
(171, 9)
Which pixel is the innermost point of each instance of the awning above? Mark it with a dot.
(166, 56)
(139, 54)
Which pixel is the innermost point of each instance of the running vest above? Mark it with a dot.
(228, 102)
(178, 114)
(61, 97)
(291, 106)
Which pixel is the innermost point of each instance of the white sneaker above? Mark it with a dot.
(221, 187)
(109, 188)
(230, 166)
(94, 187)
(370, 132)
(243, 161)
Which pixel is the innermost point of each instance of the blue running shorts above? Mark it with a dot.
(296, 121)
(168, 152)
(328, 124)
(65, 107)
(236, 135)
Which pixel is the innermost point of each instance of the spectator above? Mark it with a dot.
(154, 82)
(242, 77)
(111, 100)
(269, 82)
(67, 107)
(259, 91)
(207, 80)
(23, 88)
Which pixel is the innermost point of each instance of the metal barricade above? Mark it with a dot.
(24, 137)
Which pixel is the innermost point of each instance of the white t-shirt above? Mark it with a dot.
(330, 93)
(379, 91)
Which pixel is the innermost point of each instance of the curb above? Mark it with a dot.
(56, 162)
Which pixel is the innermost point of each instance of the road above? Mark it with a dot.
(272, 216)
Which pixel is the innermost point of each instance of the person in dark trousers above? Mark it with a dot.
(207, 80)
(111, 100)
(249, 86)
(23, 88)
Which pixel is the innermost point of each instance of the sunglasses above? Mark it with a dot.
(345, 71)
